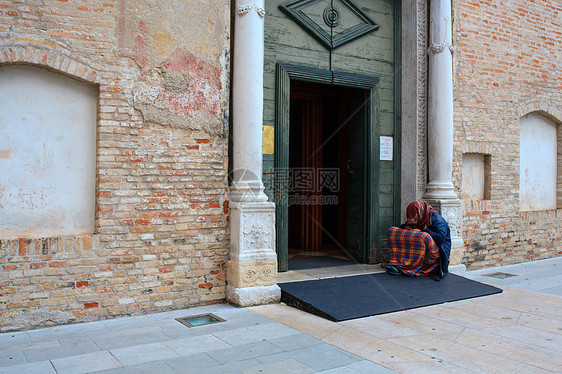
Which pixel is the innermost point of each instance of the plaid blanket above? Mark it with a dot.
(413, 252)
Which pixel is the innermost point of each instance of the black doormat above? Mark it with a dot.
(340, 299)
(314, 262)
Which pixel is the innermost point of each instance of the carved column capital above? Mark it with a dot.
(438, 48)
(244, 7)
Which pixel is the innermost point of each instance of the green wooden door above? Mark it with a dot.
(359, 51)
(357, 171)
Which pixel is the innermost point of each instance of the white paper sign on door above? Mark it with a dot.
(386, 148)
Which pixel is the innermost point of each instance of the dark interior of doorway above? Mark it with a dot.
(319, 160)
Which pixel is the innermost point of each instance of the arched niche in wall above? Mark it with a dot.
(538, 163)
(47, 153)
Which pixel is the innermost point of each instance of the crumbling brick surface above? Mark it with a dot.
(161, 233)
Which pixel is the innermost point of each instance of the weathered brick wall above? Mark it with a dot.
(161, 235)
(507, 64)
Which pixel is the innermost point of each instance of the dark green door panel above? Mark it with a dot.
(367, 62)
(362, 210)
(357, 165)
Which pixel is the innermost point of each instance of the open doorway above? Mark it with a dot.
(326, 215)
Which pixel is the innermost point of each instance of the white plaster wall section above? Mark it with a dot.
(538, 163)
(47, 153)
(473, 177)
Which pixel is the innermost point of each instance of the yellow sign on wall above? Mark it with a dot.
(268, 140)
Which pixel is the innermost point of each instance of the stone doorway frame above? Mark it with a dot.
(285, 73)
(426, 114)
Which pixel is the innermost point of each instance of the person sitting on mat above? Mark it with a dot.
(422, 245)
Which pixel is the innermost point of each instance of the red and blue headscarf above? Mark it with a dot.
(417, 213)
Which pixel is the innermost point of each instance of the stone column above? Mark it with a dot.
(252, 267)
(440, 191)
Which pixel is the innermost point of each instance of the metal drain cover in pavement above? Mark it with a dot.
(500, 275)
(200, 320)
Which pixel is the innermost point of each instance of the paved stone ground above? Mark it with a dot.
(518, 331)
(543, 276)
(246, 343)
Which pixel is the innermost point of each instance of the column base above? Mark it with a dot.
(247, 192)
(243, 274)
(440, 191)
(251, 271)
(250, 296)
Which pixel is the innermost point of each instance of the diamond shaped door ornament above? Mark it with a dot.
(332, 22)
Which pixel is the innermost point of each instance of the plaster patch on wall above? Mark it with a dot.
(473, 176)
(5, 153)
(185, 92)
(538, 163)
(150, 30)
(176, 82)
(181, 75)
(476, 176)
(47, 153)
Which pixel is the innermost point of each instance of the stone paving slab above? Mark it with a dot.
(289, 366)
(12, 358)
(13, 339)
(318, 357)
(540, 276)
(139, 354)
(86, 363)
(196, 344)
(244, 352)
(368, 367)
(127, 339)
(154, 367)
(63, 350)
(235, 367)
(256, 333)
(295, 341)
(195, 363)
(29, 346)
(41, 367)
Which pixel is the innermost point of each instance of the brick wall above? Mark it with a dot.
(161, 235)
(507, 64)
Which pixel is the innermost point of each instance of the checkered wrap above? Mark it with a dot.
(413, 252)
